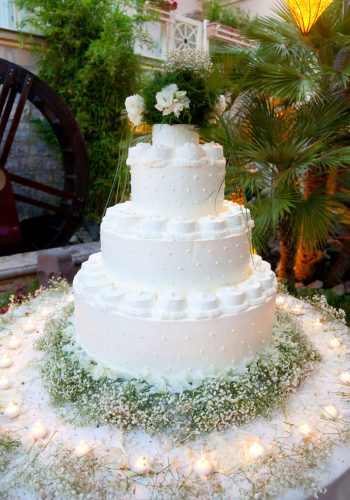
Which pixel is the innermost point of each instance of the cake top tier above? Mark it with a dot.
(176, 176)
(172, 136)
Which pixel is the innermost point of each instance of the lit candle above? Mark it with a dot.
(44, 313)
(334, 343)
(5, 361)
(331, 411)
(280, 301)
(14, 343)
(318, 323)
(12, 410)
(29, 326)
(4, 383)
(39, 431)
(305, 429)
(141, 465)
(203, 466)
(256, 450)
(82, 449)
(298, 310)
(345, 378)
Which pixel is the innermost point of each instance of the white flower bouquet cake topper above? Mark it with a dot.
(181, 94)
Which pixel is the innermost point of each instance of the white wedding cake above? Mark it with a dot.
(176, 291)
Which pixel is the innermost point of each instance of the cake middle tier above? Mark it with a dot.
(180, 255)
(185, 181)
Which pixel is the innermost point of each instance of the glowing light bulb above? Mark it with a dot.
(82, 449)
(256, 450)
(203, 466)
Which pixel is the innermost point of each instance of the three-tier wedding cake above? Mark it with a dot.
(176, 291)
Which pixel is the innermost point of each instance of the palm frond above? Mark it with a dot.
(313, 217)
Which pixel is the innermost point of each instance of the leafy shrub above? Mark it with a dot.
(88, 59)
(234, 17)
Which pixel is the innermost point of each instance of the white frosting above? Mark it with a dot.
(175, 291)
(175, 265)
(174, 178)
(168, 333)
(123, 218)
(174, 135)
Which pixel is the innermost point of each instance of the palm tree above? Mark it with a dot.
(291, 120)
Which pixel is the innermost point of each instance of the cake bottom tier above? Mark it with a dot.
(136, 344)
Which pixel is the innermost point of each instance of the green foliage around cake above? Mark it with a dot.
(215, 403)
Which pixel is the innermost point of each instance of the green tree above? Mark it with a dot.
(88, 58)
(290, 119)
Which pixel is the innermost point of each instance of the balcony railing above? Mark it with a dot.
(168, 31)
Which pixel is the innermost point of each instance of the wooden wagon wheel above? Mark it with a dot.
(17, 86)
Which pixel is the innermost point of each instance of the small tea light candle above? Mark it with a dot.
(280, 301)
(256, 450)
(298, 310)
(14, 343)
(29, 327)
(39, 431)
(331, 411)
(305, 429)
(141, 465)
(345, 378)
(334, 343)
(45, 312)
(12, 410)
(318, 323)
(82, 449)
(4, 383)
(203, 467)
(5, 361)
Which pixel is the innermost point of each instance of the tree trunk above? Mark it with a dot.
(287, 250)
(305, 263)
(306, 257)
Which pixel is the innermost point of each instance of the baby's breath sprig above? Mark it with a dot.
(193, 60)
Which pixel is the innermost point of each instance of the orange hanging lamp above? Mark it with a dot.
(306, 12)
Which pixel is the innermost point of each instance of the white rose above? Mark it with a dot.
(135, 107)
